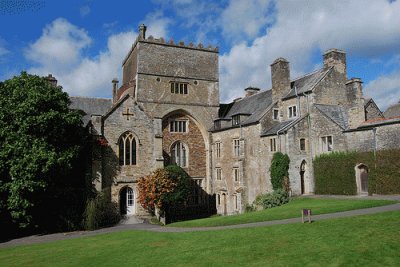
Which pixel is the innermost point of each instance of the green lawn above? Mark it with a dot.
(371, 240)
(290, 210)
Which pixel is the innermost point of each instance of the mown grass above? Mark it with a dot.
(371, 240)
(289, 210)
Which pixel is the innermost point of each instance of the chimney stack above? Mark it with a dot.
(280, 76)
(51, 80)
(251, 91)
(335, 58)
(115, 89)
(142, 32)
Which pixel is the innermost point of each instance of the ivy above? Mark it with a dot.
(279, 170)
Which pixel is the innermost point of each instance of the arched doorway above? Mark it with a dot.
(303, 168)
(362, 178)
(127, 201)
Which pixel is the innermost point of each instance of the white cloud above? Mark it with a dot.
(79, 75)
(301, 28)
(157, 24)
(84, 10)
(60, 45)
(3, 50)
(385, 90)
(245, 18)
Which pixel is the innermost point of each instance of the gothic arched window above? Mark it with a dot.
(179, 154)
(127, 149)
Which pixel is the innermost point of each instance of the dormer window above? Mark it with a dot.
(235, 120)
(292, 112)
(179, 88)
(275, 114)
(217, 124)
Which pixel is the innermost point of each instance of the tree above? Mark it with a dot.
(164, 187)
(41, 141)
(279, 170)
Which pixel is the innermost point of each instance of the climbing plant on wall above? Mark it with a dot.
(279, 169)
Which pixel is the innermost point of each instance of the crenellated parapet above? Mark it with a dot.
(181, 44)
(141, 38)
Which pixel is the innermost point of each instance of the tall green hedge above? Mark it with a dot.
(335, 173)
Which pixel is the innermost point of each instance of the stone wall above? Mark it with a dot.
(193, 139)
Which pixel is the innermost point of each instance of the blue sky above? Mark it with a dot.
(83, 42)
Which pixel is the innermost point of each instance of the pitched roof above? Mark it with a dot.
(392, 111)
(306, 83)
(336, 113)
(91, 106)
(282, 126)
(254, 106)
(379, 122)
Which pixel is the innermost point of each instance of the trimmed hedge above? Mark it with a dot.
(335, 173)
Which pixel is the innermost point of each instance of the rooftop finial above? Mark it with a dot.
(142, 32)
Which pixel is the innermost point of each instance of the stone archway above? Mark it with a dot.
(127, 201)
(362, 171)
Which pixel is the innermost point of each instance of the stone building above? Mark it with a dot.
(160, 115)
(167, 111)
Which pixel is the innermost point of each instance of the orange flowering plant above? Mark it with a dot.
(163, 187)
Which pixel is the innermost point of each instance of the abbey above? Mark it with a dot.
(167, 111)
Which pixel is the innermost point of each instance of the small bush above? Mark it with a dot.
(250, 208)
(100, 212)
(274, 199)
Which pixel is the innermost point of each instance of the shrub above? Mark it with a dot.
(279, 169)
(250, 208)
(274, 199)
(100, 212)
(163, 187)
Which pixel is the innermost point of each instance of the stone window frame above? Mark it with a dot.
(275, 118)
(127, 153)
(303, 147)
(272, 144)
(218, 149)
(236, 174)
(174, 125)
(218, 173)
(236, 147)
(326, 145)
(218, 199)
(182, 154)
(179, 88)
(292, 112)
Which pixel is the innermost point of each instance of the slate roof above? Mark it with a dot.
(336, 113)
(91, 106)
(306, 83)
(254, 106)
(392, 111)
(278, 127)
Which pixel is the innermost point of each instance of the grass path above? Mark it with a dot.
(290, 210)
(370, 240)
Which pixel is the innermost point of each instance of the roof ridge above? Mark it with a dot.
(89, 97)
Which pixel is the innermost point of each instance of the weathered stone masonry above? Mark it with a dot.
(229, 146)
